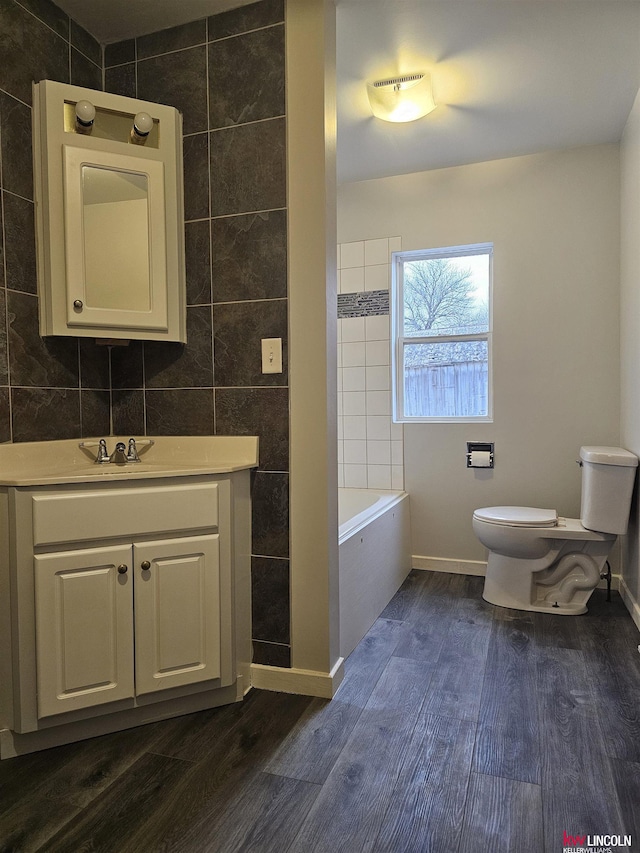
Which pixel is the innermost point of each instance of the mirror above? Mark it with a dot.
(115, 241)
(116, 269)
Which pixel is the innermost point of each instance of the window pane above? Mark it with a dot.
(446, 296)
(446, 380)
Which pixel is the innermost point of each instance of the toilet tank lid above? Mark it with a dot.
(609, 456)
(518, 516)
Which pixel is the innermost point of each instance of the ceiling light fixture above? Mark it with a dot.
(401, 98)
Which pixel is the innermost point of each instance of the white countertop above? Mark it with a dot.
(41, 463)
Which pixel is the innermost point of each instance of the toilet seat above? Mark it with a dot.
(518, 516)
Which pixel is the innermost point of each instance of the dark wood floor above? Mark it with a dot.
(458, 727)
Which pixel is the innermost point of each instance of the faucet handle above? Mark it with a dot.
(132, 452)
(103, 454)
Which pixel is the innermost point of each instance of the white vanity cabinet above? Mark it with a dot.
(117, 622)
(122, 600)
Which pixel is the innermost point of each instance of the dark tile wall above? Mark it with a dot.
(226, 74)
(56, 388)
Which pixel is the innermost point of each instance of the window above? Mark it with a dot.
(441, 317)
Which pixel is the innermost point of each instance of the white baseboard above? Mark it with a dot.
(454, 567)
(632, 605)
(479, 568)
(304, 682)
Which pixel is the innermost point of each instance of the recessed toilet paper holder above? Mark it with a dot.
(479, 454)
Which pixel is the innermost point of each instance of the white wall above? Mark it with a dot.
(630, 339)
(554, 221)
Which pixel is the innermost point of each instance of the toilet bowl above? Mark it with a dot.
(542, 562)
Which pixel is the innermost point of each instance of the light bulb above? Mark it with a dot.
(142, 125)
(85, 115)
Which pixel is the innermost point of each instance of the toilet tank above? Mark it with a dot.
(608, 474)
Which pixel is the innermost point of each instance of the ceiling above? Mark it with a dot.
(510, 77)
(115, 20)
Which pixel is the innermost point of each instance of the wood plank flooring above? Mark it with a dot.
(459, 727)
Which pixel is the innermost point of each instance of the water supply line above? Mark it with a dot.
(607, 576)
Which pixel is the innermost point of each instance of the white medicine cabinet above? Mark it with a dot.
(109, 215)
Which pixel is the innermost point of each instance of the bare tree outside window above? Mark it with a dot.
(438, 299)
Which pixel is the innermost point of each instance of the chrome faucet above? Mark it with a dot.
(119, 455)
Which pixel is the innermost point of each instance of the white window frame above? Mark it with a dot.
(399, 340)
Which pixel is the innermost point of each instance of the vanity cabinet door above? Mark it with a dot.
(177, 612)
(84, 632)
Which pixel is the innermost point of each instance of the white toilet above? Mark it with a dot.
(540, 561)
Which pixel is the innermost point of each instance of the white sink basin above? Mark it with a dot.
(49, 462)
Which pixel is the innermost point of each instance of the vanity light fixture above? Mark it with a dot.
(85, 115)
(142, 126)
(401, 99)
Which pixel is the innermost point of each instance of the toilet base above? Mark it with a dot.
(560, 610)
(562, 587)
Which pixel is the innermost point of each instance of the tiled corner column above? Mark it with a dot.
(370, 445)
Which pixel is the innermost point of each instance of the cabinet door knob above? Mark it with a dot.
(122, 569)
(145, 565)
(77, 304)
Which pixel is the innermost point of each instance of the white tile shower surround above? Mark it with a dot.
(370, 446)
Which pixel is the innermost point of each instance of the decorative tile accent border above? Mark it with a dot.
(371, 303)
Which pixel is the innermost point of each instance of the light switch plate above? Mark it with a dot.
(272, 355)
